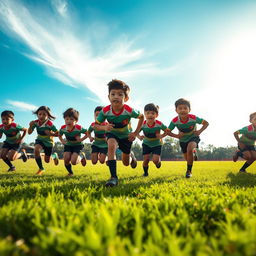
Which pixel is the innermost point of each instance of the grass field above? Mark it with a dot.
(213, 213)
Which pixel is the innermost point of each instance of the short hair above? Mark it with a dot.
(151, 107)
(47, 110)
(182, 101)
(98, 108)
(71, 112)
(7, 113)
(252, 115)
(118, 85)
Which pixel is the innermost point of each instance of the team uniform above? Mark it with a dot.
(248, 138)
(43, 139)
(188, 128)
(12, 136)
(122, 125)
(151, 144)
(72, 145)
(99, 144)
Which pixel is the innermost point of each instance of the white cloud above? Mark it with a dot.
(70, 57)
(23, 106)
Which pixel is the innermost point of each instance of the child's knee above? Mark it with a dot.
(94, 161)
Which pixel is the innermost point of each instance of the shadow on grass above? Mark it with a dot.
(241, 180)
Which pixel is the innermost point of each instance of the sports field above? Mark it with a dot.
(213, 213)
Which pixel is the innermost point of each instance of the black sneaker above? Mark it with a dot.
(134, 161)
(158, 165)
(243, 171)
(24, 156)
(11, 169)
(145, 175)
(112, 182)
(188, 174)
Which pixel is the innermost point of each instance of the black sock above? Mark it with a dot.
(69, 168)
(145, 168)
(245, 166)
(112, 168)
(39, 163)
(8, 162)
(189, 167)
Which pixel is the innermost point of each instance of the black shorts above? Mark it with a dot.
(96, 149)
(124, 144)
(47, 150)
(247, 148)
(73, 149)
(10, 146)
(146, 150)
(184, 145)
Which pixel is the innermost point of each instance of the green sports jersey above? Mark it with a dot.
(41, 135)
(150, 133)
(248, 135)
(71, 135)
(12, 133)
(121, 120)
(99, 136)
(188, 127)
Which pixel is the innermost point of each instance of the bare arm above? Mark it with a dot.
(62, 140)
(30, 129)
(205, 125)
(107, 127)
(132, 136)
(23, 135)
(236, 134)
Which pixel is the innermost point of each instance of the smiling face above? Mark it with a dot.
(150, 115)
(70, 121)
(117, 97)
(42, 115)
(7, 120)
(182, 110)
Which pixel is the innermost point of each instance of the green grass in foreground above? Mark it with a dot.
(213, 213)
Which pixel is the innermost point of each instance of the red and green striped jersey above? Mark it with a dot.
(121, 120)
(99, 136)
(71, 135)
(41, 135)
(151, 131)
(248, 135)
(188, 127)
(12, 133)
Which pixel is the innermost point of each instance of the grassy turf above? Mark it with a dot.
(213, 213)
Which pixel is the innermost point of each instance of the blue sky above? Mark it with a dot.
(63, 53)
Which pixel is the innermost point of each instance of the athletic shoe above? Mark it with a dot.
(243, 171)
(112, 182)
(145, 175)
(83, 159)
(11, 169)
(40, 172)
(70, 174)
(134, 161)
(188, 174)
(158, 165)
(55, 158)
(195, 155)
(24, 155)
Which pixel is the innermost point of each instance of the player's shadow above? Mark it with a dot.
(241, 180)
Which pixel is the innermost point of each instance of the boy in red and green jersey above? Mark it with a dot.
(246, 138)
(11, 148)
(73, 144)
(99, 145)
(188, 133)
(118, 130)
(152, 143)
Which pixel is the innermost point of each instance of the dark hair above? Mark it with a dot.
(151, 107)
(118, 85)
(252, 115)
(71, 112)
(7, 113)
(182, 101)
(47, 110)
(98, 108)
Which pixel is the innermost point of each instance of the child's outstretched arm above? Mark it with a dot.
(236, 134)
(23, 135)
(31, 127)
(205, 125)
(177, 136)
(107, 127)
(62, 140)
(132, 136)
(89, 134)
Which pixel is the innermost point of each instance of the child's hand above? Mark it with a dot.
(91, 139)
(159, 136)
(181, 134)
(19, 141)
(132, 136)
(109, 127)
(197, 133)
(32, 123)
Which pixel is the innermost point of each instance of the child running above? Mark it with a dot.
(44, 141)
(73, 143)
(99, 146)
(11, 149)
(246, 138)
(188, 134)
(152, 143)
(118, 129)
